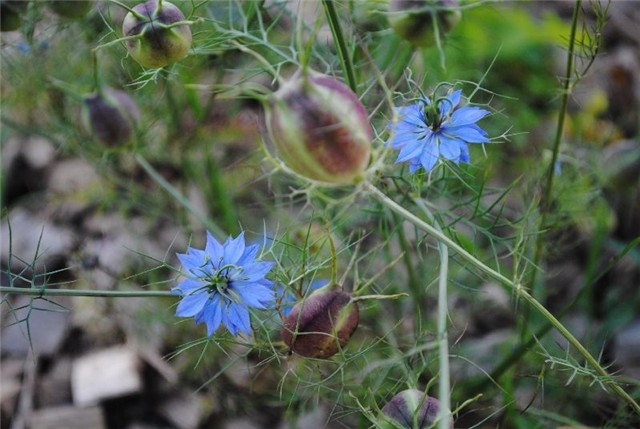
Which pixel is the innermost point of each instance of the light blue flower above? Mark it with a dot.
(223, 282)
(428, 131)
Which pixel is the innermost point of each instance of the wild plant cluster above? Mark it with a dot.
(358, 191)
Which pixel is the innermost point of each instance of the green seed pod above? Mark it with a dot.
(72, 9)
(320, 129)
(412, 20)
(321, 324)
(10, 14)
(410, 409)
(111, 116)
(159, 44)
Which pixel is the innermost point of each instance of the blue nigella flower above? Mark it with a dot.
(224, 281)
(427, 131)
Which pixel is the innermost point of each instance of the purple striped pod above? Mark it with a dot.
(159, 43)
(413, 20)
(320, 129)
(111, 116)
(410, 409)
(321, 324)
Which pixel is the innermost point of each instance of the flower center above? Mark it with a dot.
(432, 116)
(222, 279)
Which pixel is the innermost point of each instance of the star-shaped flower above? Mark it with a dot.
(224, 281)
(428, 131)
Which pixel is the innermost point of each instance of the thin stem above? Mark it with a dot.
(444, 386)
(212, 227)
(515, 287)
(545, 200)
(341, 45)
(85, 292)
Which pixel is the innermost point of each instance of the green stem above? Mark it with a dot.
(545, 200)
(84, 292)
(341, 45)
(444, 386)
(157, 177)
(515, 287)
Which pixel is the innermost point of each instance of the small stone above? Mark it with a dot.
(105, 374)
(10, 386)
(67, 417)
(183, 409)
(34, 240)
(626, 349)
(48, 324)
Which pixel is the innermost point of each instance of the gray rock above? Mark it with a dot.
(626, 349)
(32, 241)
(108, 373)
(68, 417)
(42, 326)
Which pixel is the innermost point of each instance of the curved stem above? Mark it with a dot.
(341, 45)
(85, 292)
(545, 200)
(515, 287)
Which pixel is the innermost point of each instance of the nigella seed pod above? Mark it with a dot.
(111, 116)
(320, 129)
(412, 20)
(72, 9)
(159, 44)
(410, 409)
(320, 325)
(10, 14)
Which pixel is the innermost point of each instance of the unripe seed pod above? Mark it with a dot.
(412, 19)
(410, 409)
(159, 44)
(320, 129)
(72, 9)
(321, 324)
(111, 116)
(10, 11)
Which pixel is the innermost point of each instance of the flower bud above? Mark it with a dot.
(72, 9)
(159, 44)
(320, 129)
(410, 409)
(111, 116)
(412, 19)
(10, 14)
(321, 324)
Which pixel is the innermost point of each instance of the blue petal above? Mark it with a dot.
(212, 315)
(213, 249)
(414, 166)
(192, 304)
(190, 262)
(237, 319)
(450, 148)
(249, 255)
(186, 287)
(467, 116)
(466, 133)
(256, 271)
(429, 155)
(410, 151)
(450, 103)
(464, 153)
(233, 249)
(254, 295)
